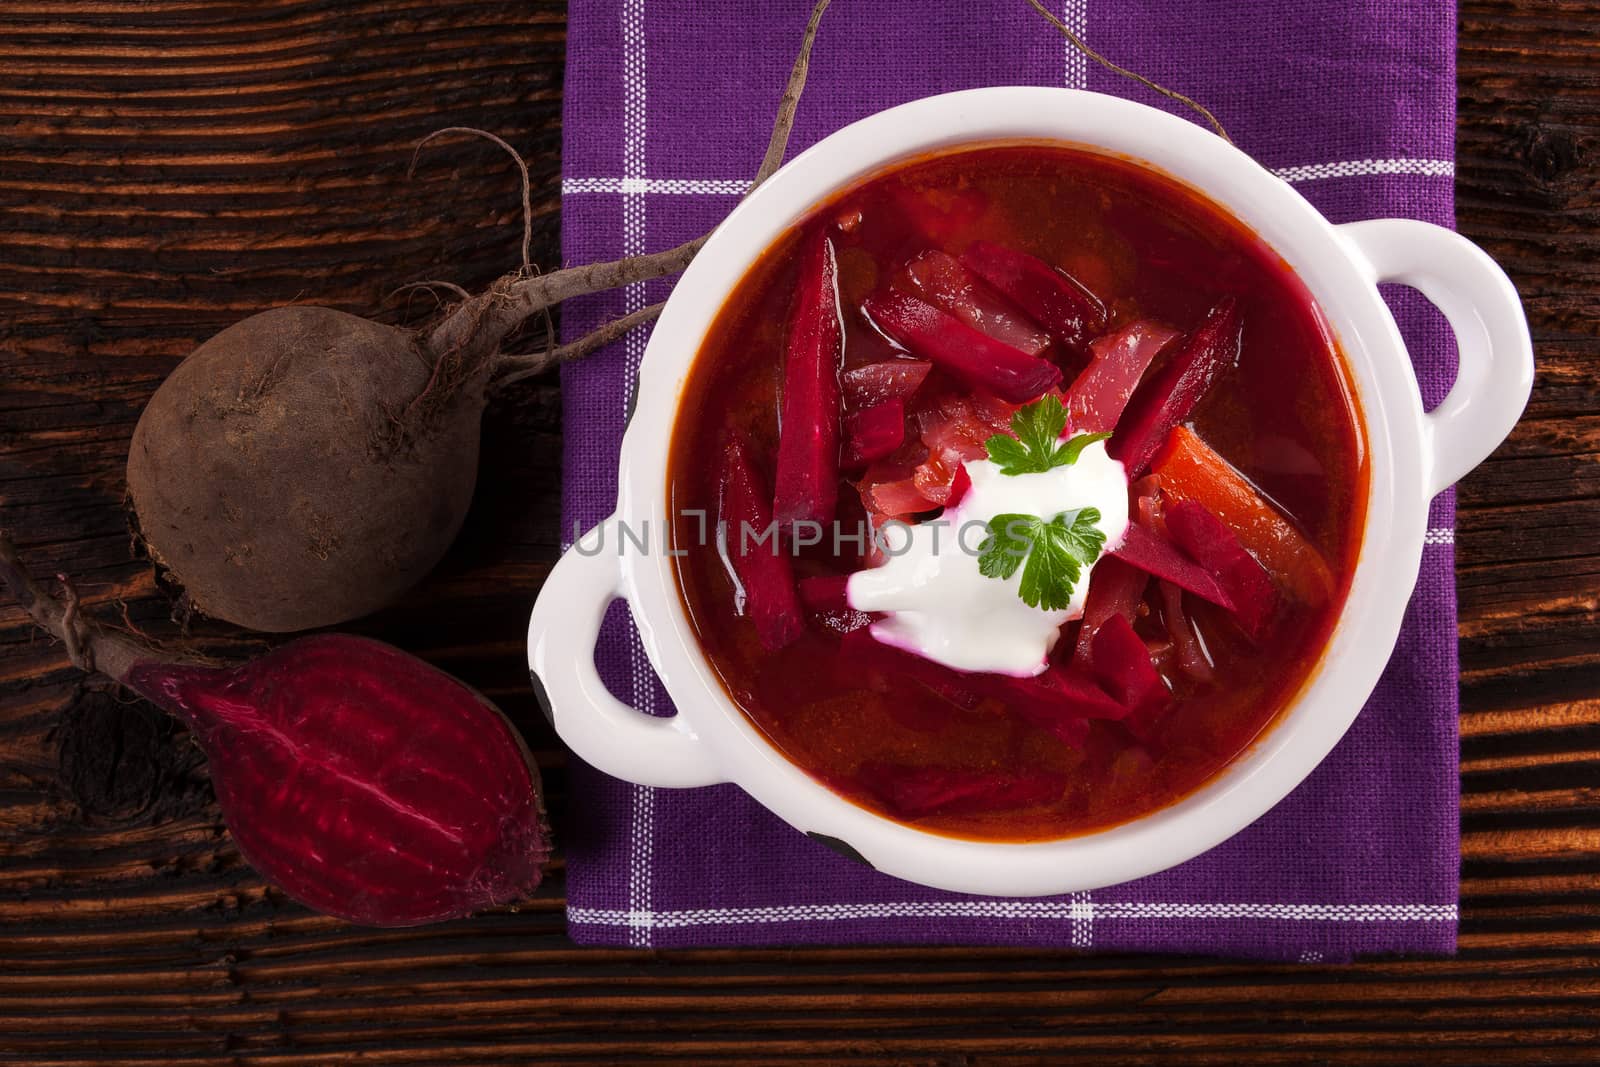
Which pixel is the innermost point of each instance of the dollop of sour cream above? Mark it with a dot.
(937, 603)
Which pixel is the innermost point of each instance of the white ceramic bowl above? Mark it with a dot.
(1413, 456)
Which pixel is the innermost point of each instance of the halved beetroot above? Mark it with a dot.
(1098, 395)
(1054, 300)
(874, 432)
(806, 485)
(941, 280)
(913, 792)
(1151, 554)
(975, 358)
(1170, 396)
(873, 383)
(1122, 665)
(1206, 538)
(751, 545)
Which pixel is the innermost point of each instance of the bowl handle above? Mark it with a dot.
(1495, 372)
(605, 732)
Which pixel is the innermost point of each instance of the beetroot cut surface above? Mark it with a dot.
(1167, 399)
(365, 783)
(976, 358)
(752, 548)
(806, 485)
(1054, 299)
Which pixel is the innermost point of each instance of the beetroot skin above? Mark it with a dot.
(300, 469)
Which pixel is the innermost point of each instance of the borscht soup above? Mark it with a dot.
(1015, 491)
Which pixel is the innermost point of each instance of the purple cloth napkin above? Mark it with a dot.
(668, 106)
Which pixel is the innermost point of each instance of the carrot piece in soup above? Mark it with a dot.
(1169, 397)
(977, 359)
(943, 282)
(1191, 470)
(750, 545)
(807, 482)
(1098, 395)
(1053, 299)
(1207, 539)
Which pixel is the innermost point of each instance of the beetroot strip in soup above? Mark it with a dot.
(1063, 691)
(807, 482)
(1115, 588)
(1157, 558)
(873, 383)
(1122, 665)
(1165, 400)
(942, 281)
(752, 546)
(1204, 537)
(825, 592)
(1057, 301)
(976, 358)
(1099, 395)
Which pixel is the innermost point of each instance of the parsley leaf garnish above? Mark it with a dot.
(1055, 552)
(1037, 446)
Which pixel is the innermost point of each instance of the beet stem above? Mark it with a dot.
(89, 646)
(430, 285)
(539, 362)
(522, 167)
(480, 324)
(778, 143)
(1171, 94)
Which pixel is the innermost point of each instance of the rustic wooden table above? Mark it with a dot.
(170, 166)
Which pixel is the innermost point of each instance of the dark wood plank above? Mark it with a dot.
(169, 166)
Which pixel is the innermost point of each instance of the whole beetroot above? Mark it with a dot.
(306, 466)
(296, 471)
(365, 783)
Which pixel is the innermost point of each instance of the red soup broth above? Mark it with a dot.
(1285, 417)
